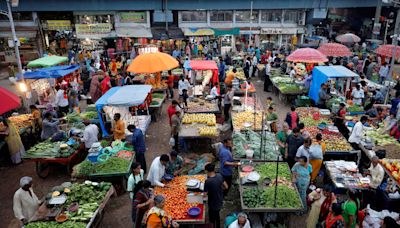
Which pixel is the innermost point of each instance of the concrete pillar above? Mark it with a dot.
(377, 16)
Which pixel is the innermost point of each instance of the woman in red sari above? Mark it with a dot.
(335, 218)
(105, 84)
(142, 202)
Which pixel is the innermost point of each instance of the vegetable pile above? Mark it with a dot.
(334, 140)
(53, 224)
(240, 118)
(111, 165)
(355, 108)
(48, 149)
(252, 140)
(89, 115)
(20, 121)
(268, 170)
(200, 105)
(208, 119)
(175, 196)
(287, 197)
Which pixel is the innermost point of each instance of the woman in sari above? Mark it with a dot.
(14, 143)
(301, 177)
(320, 206)
(105, 84)
(157, 217)
(335, 218)
(317, 151)
(142, 201)
(281, 137)
(95, 88)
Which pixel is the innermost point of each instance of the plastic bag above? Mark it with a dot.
(172, 141)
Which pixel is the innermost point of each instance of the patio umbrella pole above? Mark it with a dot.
(394, 42)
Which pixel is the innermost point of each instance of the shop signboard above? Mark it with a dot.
(249, 32)
(59, 25)
(132, 17)
(279, 31)
(93, 29)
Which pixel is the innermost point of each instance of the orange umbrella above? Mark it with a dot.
(149, 63)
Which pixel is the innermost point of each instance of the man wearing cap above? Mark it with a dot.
(25, 202)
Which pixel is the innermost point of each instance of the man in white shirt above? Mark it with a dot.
(214, 91)
(157, 170)
(358, 95)
(183, 83)
(356, 133)
(61, 101)
(383, 72)
(254, 63)
(292, 73)
(90, 134)
(376, 173)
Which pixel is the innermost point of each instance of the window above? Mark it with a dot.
(216, 16)
(196, 16)
(291, 15)
(18, 16)
(271, 15)
(244, 16)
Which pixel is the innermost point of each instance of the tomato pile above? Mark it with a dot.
(175, 194)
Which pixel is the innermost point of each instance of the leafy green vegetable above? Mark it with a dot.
(268, 170)
(111, 165)
(73, 118)
(89, 115)
(53, 224)
(252, 140)
(287, 197)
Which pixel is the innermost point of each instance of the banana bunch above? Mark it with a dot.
(241, 118)
(208, 119)
(207, 131)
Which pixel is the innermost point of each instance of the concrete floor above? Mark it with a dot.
(118, 210)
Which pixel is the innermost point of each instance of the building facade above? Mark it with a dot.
(59, 25)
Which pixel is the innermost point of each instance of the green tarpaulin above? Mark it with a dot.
(222, 32)
(47, 61)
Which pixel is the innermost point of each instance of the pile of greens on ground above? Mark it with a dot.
(111, 165)
(287, 197)
(243, 141)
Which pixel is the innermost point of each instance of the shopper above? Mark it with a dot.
(95, 88)
(229, 78)
(376, 173)
(293, 142)
(49, 126)
(323, 96)
(292, 118)
(25, 202)
(141, 202)
(241, 222)
(175, 164)
(358, 95)
(176, 123)
(267, 79)
(395, 131)
(157, 170)
(139, 146)
(105, 84)
(335, 218)
(90, 134)
(221, 69)
(61, 101)
(301, 177)
(227, 163)
(383, 72)
(304, 150)
(214, 186)
(15, 147)
(321, 203)
(357, 132)
(119, 128)
(350, 209)
(339, 120)
(157, 217)
(281, 137)
(228, 100)
(317, 151)
(246, 68)
(170, 83)
(172, 108)
(134, 178)
(183, 84)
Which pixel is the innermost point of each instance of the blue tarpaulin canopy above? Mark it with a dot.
(50, 72)
(322, 74)
(129, 96)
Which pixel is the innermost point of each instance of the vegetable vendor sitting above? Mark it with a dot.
(175, 164)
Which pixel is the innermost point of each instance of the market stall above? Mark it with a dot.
(287, 89)
(119, 100)
(155, 107)
(258, 146)
(247, 120)
(47, 61)
(181, 194)
(198, 130)
(345, 175)
(50, 152)
(110, 163)
(204, 71)
(338, 77)
(73, 205)
(198, 105)
(259, 183)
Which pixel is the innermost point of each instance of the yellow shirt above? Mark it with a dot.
(229, 78)
(119, 130)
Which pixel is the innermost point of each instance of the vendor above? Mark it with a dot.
(376, 172)
(139, 145)
(61, 101)
(157, 170)
(358, 95)
(119, 128)
(49, 126)
(339, 120)
(272, 117)
(377, 94)
(37, 118)
(389, 122)
(323, 96)
(395, 131)
(227, 162)
(214, 91)
(241, 222)
(229, 78)
(356, 133)
(90, 134)
(25, 203)
(247, 85)
(175, 164)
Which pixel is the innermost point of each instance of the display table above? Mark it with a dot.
(345, 175)
(286, 96)
(155, 107)
(202, 106)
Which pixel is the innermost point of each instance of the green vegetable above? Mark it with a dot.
(287, 197)
(252, 140)
(268, 170)
(253, 197)
(73, 118)
(111, 165)
(47, 149)
(53, 224)
(89, 115)
(355, 108)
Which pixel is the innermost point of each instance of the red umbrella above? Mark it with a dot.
(334, 50)
(307, 55)
(387, 50)
(8, 100)
(348, 38)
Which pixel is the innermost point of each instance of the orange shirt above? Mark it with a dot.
(229, 78)
(119, 130)
(36, 114)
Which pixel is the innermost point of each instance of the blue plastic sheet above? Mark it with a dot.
(50, 72)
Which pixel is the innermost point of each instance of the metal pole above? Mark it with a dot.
(166, 16)
(276, 180)
(394, 42)
(17, 55)
(377, 16)
(251, 20)
(386, 30)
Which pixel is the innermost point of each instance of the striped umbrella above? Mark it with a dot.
(307, 55)
(334, 50)
(348, 38)
(387, 50)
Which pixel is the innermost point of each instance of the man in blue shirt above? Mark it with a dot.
(138, 145)
(395, 102)
(221, 69)
(250, 50)
(227, 163)
(176, 53)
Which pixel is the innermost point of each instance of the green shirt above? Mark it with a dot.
(175, 165)
(271, 116)
(282, 136)
(350, 209)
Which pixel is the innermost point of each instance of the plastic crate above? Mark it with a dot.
(93, 157)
